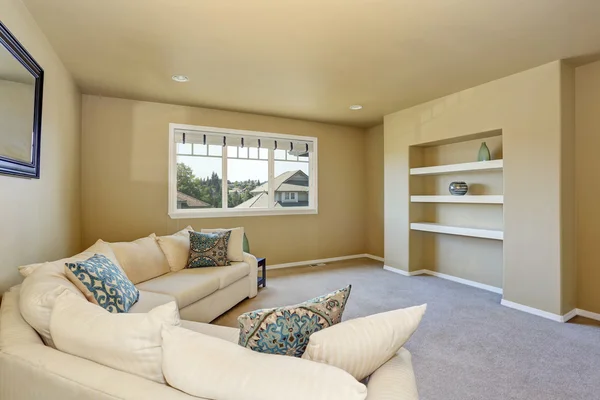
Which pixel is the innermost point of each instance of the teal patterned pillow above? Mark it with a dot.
(285, 330)
(208, 249)
(103, 283)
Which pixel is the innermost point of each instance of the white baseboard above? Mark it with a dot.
(538, 312)
(404, 273)
(372, 257)
(569, 315)
(554, 317)
(444, 276)
(465, 281)
(323, 260)
(396, 270)
(588, 314)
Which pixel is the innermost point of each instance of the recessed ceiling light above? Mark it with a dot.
(180, 78)
(356, 107)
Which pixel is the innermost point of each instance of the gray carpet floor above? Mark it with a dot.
(468, 346)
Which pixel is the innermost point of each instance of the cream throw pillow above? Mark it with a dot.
(99, 247)
(212, 368)
(176, 248)
(235, 248)
(127, 342)
(360, 346)
(141, 259)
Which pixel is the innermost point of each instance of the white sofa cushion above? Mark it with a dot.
(141, 259)
(176, 248)
(14, 330)
(38, 294)
(149, 300)
(227, 274)
(235, 246)
(186, 287)
(127, 342)
(213, 368)
(360, 346)
(394, 380)
(221, 332)
(99, 247)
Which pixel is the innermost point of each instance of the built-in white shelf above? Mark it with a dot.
(481, 199)
(492, 165)
(458, 230)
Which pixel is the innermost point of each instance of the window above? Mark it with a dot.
(290, 197)
(215, 172)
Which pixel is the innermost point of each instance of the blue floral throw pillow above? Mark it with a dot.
(208, 249)
(103, 283)
(286, 330)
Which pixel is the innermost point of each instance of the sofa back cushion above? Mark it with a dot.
(38, 294)
(213, 368)
(176, 248)
(127, 342)
(235, 245)
(141, 259)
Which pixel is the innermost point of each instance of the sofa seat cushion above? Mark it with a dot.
(187, 288)
(221, 332)
(149, 300)
(227, 275)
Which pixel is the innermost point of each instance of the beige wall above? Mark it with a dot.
(124, 181)
(374, 188)
(587, 79)
(40, 218)
(527, 108)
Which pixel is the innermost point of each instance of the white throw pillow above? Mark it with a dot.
(38, 294)
(100, 247)
(360, 346)
(213, 368)
(176, 248)
(235, 248)
(127, 342)
(141, 259)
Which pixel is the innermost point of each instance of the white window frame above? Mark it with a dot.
(176, 213)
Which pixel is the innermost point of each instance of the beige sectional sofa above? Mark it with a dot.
(30, 370)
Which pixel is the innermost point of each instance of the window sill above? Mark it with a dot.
(183, 214)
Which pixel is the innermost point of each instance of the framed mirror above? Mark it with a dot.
(21, 86)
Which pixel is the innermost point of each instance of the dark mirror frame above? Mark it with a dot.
(10, 166)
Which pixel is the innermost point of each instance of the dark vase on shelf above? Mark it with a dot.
(484, 153)
(458, 188)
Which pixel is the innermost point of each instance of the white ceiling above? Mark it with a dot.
(309, 59)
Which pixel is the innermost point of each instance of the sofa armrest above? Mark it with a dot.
(251, 260)
(394, 380)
